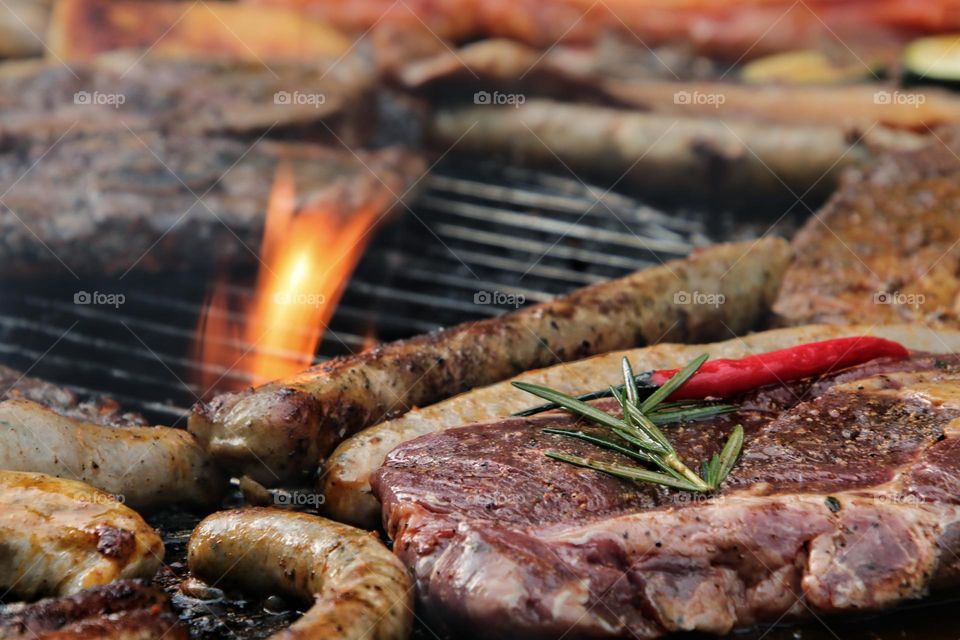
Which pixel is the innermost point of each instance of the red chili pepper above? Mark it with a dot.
(724, 377)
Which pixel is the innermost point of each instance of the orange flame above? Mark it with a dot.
(307, 257)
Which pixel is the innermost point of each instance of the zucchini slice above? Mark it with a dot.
(936, 58)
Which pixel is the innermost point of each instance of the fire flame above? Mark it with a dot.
(307, 256)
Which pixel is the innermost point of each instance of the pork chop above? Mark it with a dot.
(845, 498)
(885, 248)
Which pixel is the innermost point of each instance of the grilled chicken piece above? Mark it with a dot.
(359, 589)
(281, 430)
(884, 248)
(144, 467)
(59, 537)
(125, 609)
(346, 478)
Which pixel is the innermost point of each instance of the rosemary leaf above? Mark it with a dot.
(690, 414)
(728, 457)
(630, 382)
(672, 384)
(621, 471)
(570, 403)
(603, 442)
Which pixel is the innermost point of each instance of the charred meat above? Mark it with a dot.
(61, 536)
(844, 500)
(121, 610)
(283, 429)
(358, 589)
(891, 231)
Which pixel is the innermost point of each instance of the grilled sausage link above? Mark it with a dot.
(346, 478)
(148, 466)
(359, 588)
(280, 431)
(58, 537)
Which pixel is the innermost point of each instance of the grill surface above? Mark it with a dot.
(465, 240)
(474, 230)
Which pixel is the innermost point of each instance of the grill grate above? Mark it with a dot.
(506, 234)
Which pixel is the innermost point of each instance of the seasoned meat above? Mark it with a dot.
(44, 101)
(125, 609)
(667, 153)
(884, 248)
(358, 588)
(845, 499)
(733, 31)
(281, 430)
(150, 201)
(145, 467)
(346, 477)
(101, 410)
(59, 537)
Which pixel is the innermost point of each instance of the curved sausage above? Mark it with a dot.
(144, 467)
(280, 431)
(346, 479)
(59, 537)
(359, 588)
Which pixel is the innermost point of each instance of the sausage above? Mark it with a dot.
(359, 588)
(59, 537)
(346, 478)
(148, 466)
(279, 431)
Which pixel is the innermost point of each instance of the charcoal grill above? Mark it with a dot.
(475, 228)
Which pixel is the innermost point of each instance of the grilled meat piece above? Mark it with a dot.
(884, 248)
(567, 73)
(358, 588)
(60, 537)
(145, 467)
(42, 101)
(702, 158)
(731, 31)
(346, 477)
(125, 609)
(845, 499)
(107, 204)
(284, 428)
(101, 410)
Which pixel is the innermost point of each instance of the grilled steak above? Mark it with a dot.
(845, 499)
(44, 100)
(890, 232)
(280, 430)
(110, 203)
(121, 609)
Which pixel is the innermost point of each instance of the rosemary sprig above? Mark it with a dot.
(640, 427)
